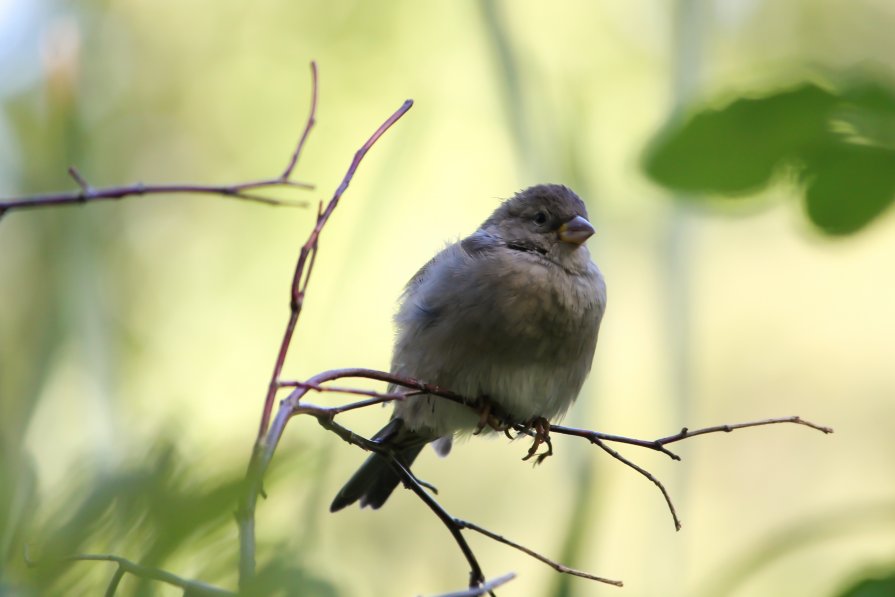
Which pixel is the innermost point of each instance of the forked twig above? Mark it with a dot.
(595, 437)
(242, 190)
(267, 439)
(555, 565)
(658, 445)
(325, 416)
(306, 256)
(645, 473)
(125, 566)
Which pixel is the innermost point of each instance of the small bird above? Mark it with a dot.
(509, 315)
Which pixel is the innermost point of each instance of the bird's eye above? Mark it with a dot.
(540, 218)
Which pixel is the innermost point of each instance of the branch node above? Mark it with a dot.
(80, 180)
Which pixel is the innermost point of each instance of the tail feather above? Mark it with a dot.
(375, 480)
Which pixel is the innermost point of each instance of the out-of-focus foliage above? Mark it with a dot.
(162, 514)
(839, 140)
(872, 587)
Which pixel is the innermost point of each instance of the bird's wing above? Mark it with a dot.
(475, 245)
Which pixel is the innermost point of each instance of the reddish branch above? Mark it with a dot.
(295, 305)
(325, 416)
(294, 405)
(300, 277)
(264, 447)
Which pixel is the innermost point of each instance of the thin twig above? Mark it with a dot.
(541, 558)
(193, 587)
(308, 251)
(596, 435)
(293, 406)
(476, 576)
(240, 190)
(267, 439)
(645, 473)
(487, 587)
(76, 176)
(235, 191)
(687, 433)
(324, 416)
(598, 438)
(405, 382)
(382, 396)
(294, 302)
(309, 124)
(336, 410)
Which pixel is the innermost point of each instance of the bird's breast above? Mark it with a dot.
(514, 328)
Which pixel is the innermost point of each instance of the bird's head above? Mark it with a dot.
(548, 219)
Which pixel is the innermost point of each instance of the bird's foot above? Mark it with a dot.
(541, 429)
(487, 418)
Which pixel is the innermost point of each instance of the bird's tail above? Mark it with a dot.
(375, 480)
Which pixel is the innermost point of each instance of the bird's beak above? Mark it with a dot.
(576, 231)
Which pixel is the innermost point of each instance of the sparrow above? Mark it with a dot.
(508, 316)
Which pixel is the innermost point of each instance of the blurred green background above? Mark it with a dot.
(136, 338)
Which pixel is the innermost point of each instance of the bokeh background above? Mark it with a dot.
(136, 338)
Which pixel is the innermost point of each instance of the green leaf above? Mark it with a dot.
(868, 112)
(848, 185)
(739, 147)
(872, 587)
(840, 141)
(871, 94)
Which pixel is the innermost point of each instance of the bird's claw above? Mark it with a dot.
(484, 415)
(541, 428)
(487, 418)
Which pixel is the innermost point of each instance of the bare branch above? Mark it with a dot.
(293, 405)
(235, 191)
(308, 251)
(541, 558)
(476, 577)
(312, 120)
(592, 436)
(595, 437)
(381, 396)
(686, 433)
(267, 439)
(645, 473)
(487, 587)
(241, 190)
(192, 587)
(598, 438)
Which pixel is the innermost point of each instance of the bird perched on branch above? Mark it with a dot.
(508, 316)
